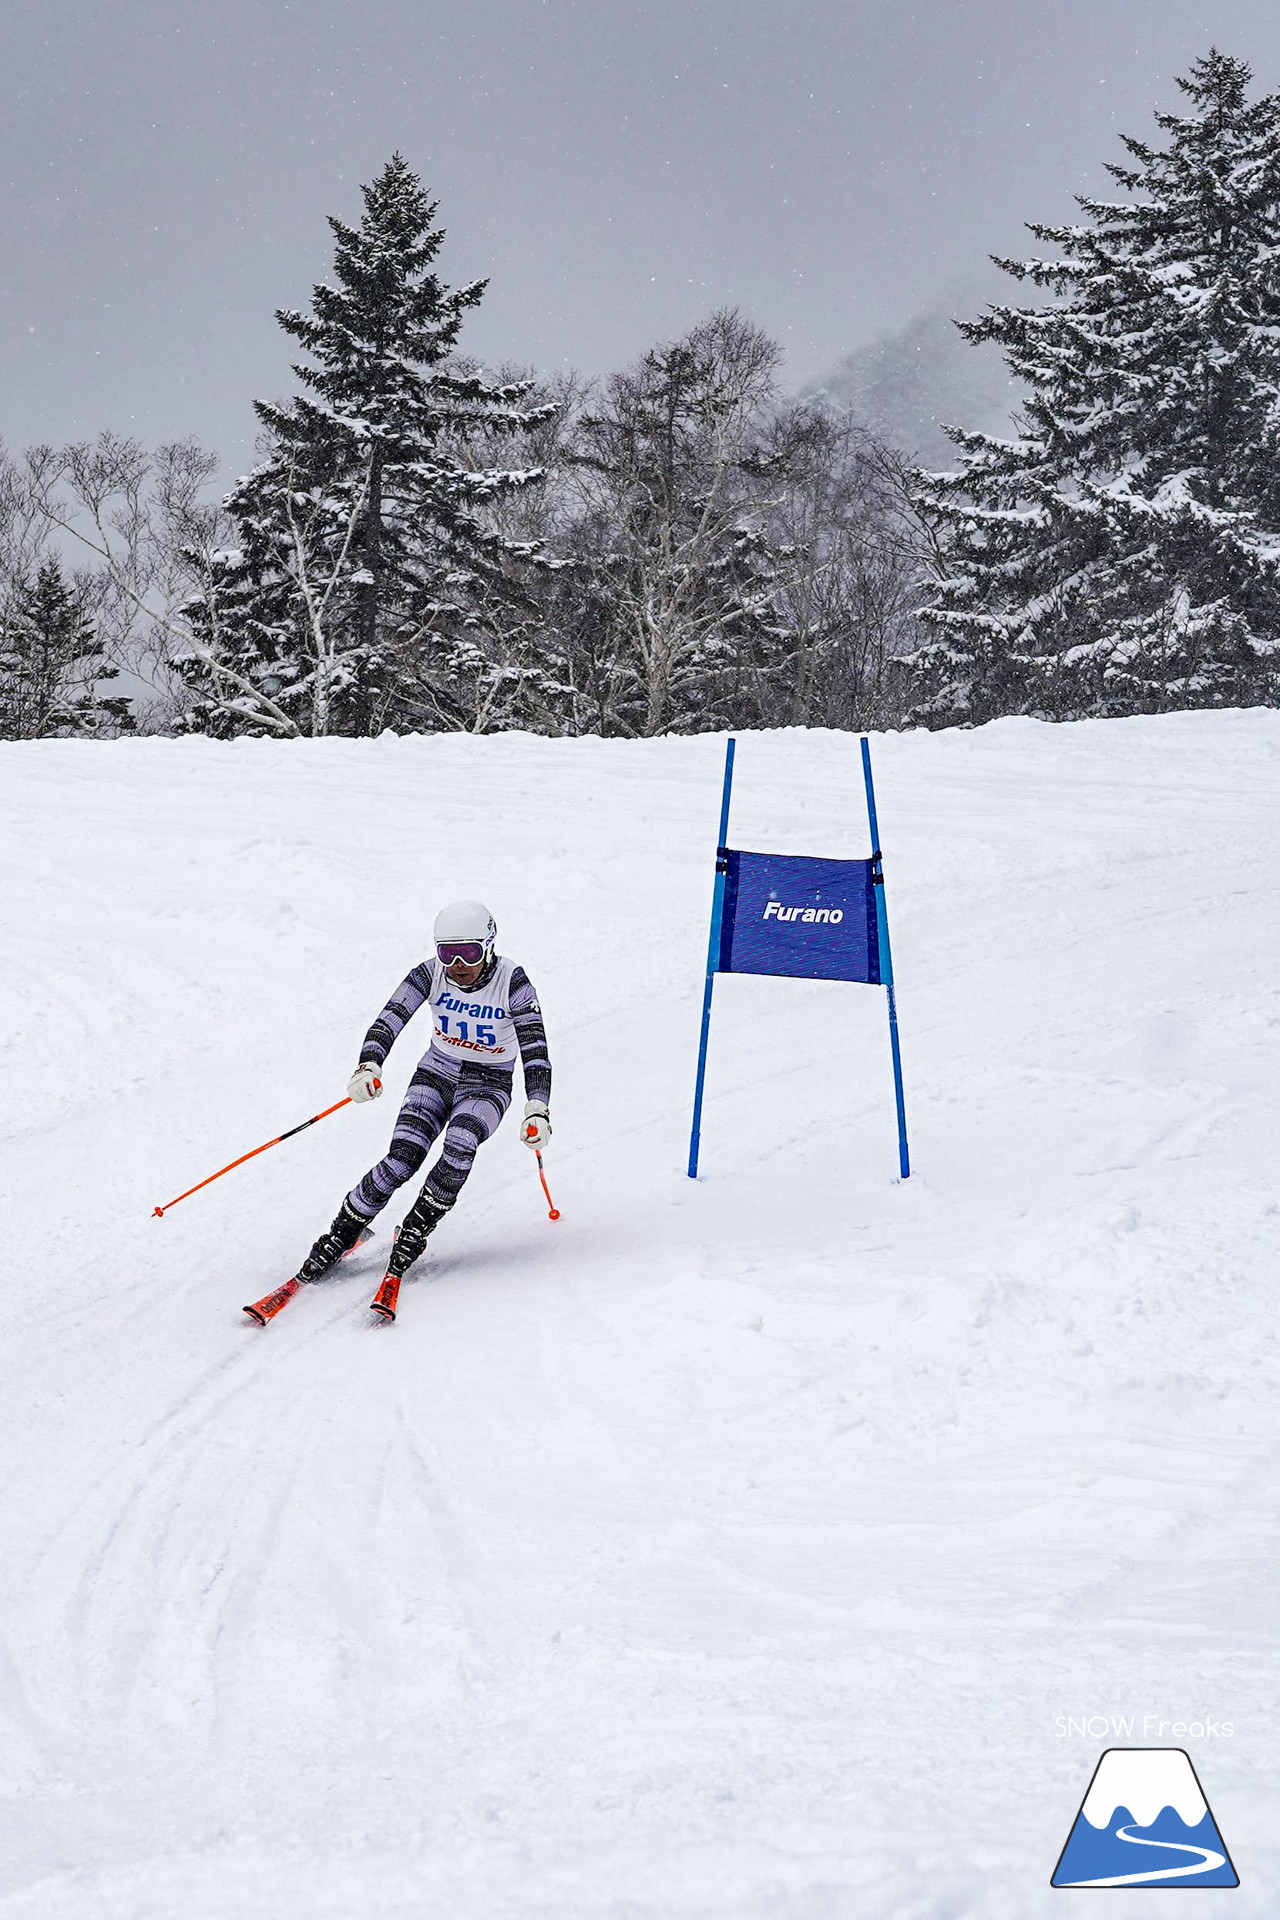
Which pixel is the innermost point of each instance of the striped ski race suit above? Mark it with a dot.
(463, 1081)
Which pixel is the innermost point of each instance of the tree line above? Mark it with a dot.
(425, 544)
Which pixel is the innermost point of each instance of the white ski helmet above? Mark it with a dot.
(466, 922)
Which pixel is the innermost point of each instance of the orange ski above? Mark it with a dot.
(270, 1305)
(384, 1300)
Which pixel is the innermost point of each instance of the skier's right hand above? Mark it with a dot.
(365, 1083)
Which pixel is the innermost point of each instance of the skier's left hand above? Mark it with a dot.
(535, 1130)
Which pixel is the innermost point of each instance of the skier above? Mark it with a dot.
(484, 1008)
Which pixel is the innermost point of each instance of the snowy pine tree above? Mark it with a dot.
(1121, 553)
(367, 571)
(52, 665)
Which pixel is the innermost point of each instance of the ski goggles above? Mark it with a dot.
(470, 952)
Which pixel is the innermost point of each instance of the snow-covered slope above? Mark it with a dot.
(728, 1549)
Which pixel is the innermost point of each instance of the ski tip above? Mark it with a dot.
(383, 1313)
(271, 1304)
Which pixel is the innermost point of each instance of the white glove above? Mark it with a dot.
(535, 1129)
(365, 1083)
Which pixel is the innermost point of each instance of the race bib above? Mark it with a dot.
(474, 1026)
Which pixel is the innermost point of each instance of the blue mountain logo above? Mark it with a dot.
(1145, 1823)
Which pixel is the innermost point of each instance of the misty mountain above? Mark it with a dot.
(908, 385)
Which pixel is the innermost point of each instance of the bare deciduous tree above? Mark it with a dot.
(143, 518)
(851, 592)
(673, 497)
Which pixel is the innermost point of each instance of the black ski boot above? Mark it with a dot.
(332, 1244)
(423, 1217)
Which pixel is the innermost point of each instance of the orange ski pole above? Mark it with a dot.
(161, 1211)
(553, 1211)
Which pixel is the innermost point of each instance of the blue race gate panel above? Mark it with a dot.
(804, 918)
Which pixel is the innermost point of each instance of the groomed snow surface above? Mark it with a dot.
(727, 1551)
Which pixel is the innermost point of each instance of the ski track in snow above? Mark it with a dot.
(726, 1551)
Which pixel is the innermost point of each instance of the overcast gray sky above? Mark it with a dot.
(618, 168)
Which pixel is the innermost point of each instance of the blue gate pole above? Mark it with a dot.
(713, 958)
(886, 961)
